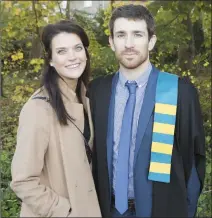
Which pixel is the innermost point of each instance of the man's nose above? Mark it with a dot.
(129, 43)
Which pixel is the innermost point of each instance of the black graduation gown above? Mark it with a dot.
(168, 199)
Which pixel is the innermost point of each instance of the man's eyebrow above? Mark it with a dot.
(138, 31)
(120, 31)
(134, 31)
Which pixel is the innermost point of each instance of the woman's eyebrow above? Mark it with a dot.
(68, 47)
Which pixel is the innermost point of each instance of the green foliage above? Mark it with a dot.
(102, 58)
(99, 30)
(183, 47)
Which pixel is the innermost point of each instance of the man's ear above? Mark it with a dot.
(152, 42)
(111, 43)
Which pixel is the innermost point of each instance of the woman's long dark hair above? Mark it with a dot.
(50, 75)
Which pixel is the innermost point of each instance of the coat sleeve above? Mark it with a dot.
(199, 141)
(28, 161)
(190, 130)
(196, 179)
(193, 191)
(192, 142)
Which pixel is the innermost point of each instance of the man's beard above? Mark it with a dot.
(131, 64)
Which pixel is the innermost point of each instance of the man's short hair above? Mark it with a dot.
(135, 12)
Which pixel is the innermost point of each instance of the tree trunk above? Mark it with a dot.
(186, 54)
(111, 3)
(1, 87)
(37, 49)
(68, 10)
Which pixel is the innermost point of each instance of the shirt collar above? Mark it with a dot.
(141, 80)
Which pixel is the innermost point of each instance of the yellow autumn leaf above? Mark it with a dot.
(14, 57)
(8, 4)
(206, 64)
(17, 11)
(11, 34)
(20, 55)
(29, 44)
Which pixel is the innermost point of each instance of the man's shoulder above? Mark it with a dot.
(186, 86)
(184, 83)
(187, 93)
(101, 81)
(186, 89)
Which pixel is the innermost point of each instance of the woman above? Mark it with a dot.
(50, 168)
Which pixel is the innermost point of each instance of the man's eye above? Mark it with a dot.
(120, 36)
(138, 35)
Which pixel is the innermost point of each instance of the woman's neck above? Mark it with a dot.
(71, 83)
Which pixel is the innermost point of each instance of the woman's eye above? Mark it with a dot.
(79, 48)
(61, 52)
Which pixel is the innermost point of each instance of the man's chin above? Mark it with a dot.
(130, 65)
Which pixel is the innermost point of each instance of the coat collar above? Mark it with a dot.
(69, 97)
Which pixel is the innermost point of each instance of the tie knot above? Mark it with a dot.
(131, 87)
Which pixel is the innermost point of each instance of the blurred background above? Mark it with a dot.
(183, 47)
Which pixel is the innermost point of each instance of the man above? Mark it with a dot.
(149, 156)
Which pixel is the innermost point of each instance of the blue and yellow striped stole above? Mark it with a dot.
(163, 127)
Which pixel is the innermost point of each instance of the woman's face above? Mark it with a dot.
(68, 55)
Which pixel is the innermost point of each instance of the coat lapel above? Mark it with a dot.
(147, 109)
(104, 127)
(110, 129)
(86, 105)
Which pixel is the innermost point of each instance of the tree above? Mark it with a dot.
(182, 28)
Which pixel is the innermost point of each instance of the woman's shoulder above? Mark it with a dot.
(35, 118)
(40, 93)
(37, 103)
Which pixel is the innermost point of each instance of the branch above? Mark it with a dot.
(68, 10)
(207, 191)
(36, 18)
(1, 82)
(58, 2)
(167, 24)
(37, 28)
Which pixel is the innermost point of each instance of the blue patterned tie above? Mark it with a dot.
(122, 170)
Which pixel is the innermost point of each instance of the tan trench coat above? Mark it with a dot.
(50, 170)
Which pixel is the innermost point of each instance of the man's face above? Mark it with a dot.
(131, 43)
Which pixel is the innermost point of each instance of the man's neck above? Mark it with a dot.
(134, 74)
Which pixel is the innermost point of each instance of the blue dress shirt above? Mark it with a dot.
(121, 96)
